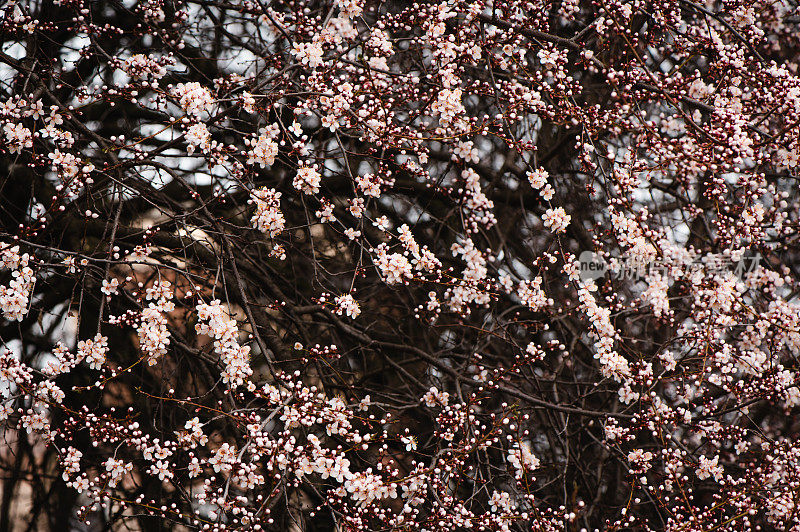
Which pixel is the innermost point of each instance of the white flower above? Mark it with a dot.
(325, 214)
(140, 66)
(363, 405)
(501, 502)
(640, 459)
(465, 150)
(626, 394)
(153, 333)
(214, 322)
(161, 468)
(307, 180)
(35, 422)
(330, 122)
(356, 207)
(556, 219)
(395, 267)
(93, 351)
(71, 462)
(308, 53)
(268, 217)
(347, 305)
(48, 391)
(264, 150)
(350, 8)
(194, 468)
(223, 459)
(434, 397)
(110, 286)
(532, 295)
(17, 137)
(382, 223)
(248, 102)
(708, 468)
(538, 178)
(668, 360)
(369, 185)
(522, 459)
(116, 470)
(351, 233)
(194, 98)
(699, 90)
(448, 106)
(197, 135)
(656, 294)
(612, 431)
(410, 443)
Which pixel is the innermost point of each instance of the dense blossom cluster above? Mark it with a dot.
(194, 98)
(308, 265)
(268, 217)
(214, 322)
(15, 298)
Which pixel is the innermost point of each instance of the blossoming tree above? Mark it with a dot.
(423, 266)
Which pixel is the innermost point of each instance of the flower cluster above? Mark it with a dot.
(307, 180)
(556, 219)
(214, 321)
(194, 98)
(268, 217)
(15, 298)
(394, 267)
(152, 330)
(264, 149)
(140, 66)
(308, 53)
(346, 304)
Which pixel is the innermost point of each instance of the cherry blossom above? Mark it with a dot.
(400, 266)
